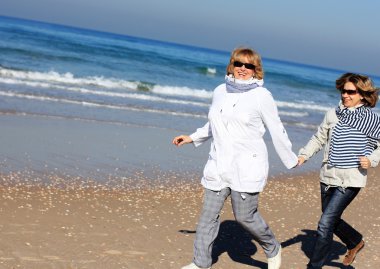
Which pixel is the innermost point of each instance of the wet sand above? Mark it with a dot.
(103, 150)
(74, 224)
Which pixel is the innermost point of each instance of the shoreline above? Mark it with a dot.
(106, 150)
(153, 225)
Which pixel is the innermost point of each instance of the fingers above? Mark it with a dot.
(177, 140)
(365, 163)
(301, 160)
(181, 140)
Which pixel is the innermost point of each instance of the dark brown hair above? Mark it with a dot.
(363, 84)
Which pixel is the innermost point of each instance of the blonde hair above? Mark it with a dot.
(253, 57)
(363, 84)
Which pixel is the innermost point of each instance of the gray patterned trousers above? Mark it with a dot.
(244, 206)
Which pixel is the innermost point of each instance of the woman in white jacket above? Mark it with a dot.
(238, 160)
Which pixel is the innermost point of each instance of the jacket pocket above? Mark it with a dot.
(251, 167)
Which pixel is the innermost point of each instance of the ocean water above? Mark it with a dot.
(58, 71)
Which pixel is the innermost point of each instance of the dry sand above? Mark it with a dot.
(77, 225)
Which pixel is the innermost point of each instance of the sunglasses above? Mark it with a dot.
(349, 92)
(247, 65)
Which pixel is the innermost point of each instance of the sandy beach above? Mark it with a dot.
(82, 194)
(69, 224)
(89, 177)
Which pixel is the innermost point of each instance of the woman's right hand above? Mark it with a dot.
(365, 163)
(182, 140)
(301, 160)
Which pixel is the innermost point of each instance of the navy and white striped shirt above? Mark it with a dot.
(355, 135)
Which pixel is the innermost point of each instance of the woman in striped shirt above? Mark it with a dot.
(351, 135)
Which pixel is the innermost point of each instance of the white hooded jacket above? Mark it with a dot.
(238, 157)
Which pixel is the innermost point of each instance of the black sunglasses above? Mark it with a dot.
(349, 92)
(247, 65)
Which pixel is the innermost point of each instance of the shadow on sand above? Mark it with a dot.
(236, 242)
(240, 246)
(307, 239)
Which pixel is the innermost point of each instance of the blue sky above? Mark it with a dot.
(338, 34)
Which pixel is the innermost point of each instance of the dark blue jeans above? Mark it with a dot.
(334, 202)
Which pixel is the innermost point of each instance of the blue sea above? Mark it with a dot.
(57, 71)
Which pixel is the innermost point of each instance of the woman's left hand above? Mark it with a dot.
(365, 163)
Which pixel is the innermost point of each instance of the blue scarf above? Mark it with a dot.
(239, 86)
